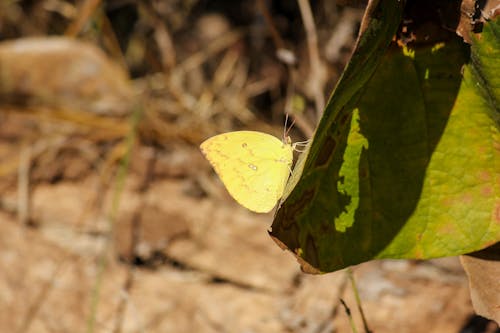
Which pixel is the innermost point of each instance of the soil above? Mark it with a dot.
(113, 222)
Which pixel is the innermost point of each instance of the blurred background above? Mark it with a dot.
(111, 220)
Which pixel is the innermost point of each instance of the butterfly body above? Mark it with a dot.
(253, 166)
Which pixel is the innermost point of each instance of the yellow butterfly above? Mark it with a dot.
(253, 166)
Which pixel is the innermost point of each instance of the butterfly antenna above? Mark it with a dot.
(288, 129)
(285, 131)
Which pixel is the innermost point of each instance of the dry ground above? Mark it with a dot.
(158, 245)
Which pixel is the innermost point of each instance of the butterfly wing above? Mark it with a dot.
(253, 166)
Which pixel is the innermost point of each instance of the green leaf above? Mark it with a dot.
(406, 160)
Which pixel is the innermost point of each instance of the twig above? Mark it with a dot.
(111, 41)
(284, 54)
(23, 184)
(342, 34)
(165, 45)
(278, 41)
(298, 117)
(129, 280)
(218, 45)
(162, 37)
(326, 323)
(288, 58)
(349, 314)
(40, 299)
(120, 183)
(358, 299)
(179, 93)
(34, 308)
(317, 74)
(220, 81)
(134, 240)
(86, 10)
(11, 165)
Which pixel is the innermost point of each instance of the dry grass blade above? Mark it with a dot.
(86, 10)
(119, 185)
(213, 48)
(38, 303)
(317, 75)
(23, 199)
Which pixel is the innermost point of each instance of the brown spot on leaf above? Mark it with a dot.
(487, 191)
(311, 254)
(344, 118)
(326, 151)
(484, 176)
(298, 205)
(467, 198)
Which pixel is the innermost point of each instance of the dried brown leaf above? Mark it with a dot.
(483, 270)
